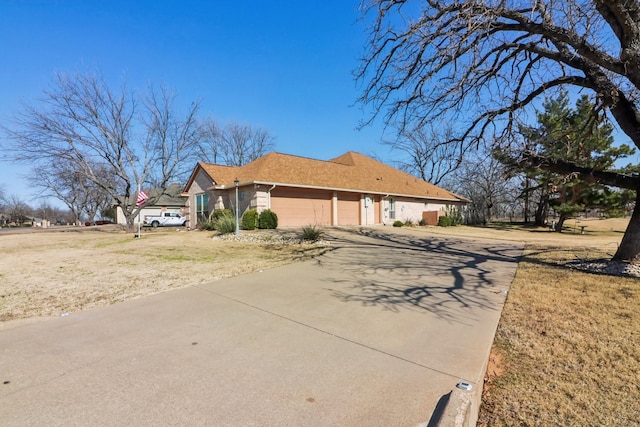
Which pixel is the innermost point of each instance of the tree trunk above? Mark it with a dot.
(526, 200)
(630, 246)
(542, 211)
(131, 222)
(539, 217)
(561, 219)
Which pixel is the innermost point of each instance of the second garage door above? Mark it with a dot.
(348, 209)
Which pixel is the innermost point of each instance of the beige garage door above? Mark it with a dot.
(348, 209)
(296, 207)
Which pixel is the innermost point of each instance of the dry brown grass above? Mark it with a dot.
(568, 342)
(597, 233)
(50, 273)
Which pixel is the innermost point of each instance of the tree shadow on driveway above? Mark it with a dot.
(448, 277)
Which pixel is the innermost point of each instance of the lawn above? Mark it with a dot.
(69, 269)
(567, 348)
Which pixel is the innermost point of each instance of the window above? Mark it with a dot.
(202, 207)
(392, 208)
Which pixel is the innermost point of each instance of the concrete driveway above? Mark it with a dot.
(375, 332)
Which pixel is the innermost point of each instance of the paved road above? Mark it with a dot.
(373, 333)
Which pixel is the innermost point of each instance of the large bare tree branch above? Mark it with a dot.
(487, 64)
(456, 52)
(613, 179)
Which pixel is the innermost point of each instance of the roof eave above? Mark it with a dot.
(357, 190)
(343, 189)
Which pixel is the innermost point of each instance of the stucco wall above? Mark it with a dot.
(410, 209)
(260, 199)
(248, 198)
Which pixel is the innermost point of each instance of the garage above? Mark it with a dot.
(299, 207)
(348, 209)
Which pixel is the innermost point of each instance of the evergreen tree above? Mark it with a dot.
(578, 136)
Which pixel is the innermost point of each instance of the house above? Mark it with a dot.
(352, 189)
(171, 200)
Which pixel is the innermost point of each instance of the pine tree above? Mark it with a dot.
(578, 136)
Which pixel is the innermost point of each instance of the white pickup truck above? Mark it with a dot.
(167, 219)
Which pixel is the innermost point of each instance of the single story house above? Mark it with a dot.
(171, 200)
(352, 189)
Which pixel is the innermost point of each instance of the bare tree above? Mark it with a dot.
(210, 141)
(89, 127)
(18, 210)
(173, 140)
(485, 181)
(48, 212)
(429, 156)
(486, 63)
(64, 182)
(234, 144)
(4, 217)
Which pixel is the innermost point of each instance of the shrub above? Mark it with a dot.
(444, 221)
(398, 223)
(311, 233)
(422, 222)
(249, 220)
(408, 222)
(453, 212)
(208, 225)
(219, 213)
(225, 225)
(268, 220)
(214, 217)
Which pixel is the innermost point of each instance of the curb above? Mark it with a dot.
(461, 406)
(458, 408)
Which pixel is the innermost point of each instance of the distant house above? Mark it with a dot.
(171, 201)
(352, 189)
(38, 222)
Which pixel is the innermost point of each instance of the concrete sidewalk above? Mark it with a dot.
(375, 332)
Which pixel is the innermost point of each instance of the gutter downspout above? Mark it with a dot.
(269, 196)
(382, 208)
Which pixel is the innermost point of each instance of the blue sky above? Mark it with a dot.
(281, 65)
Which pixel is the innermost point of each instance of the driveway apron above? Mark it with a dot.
(374, 332)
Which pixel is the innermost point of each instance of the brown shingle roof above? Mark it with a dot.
(350, 172)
